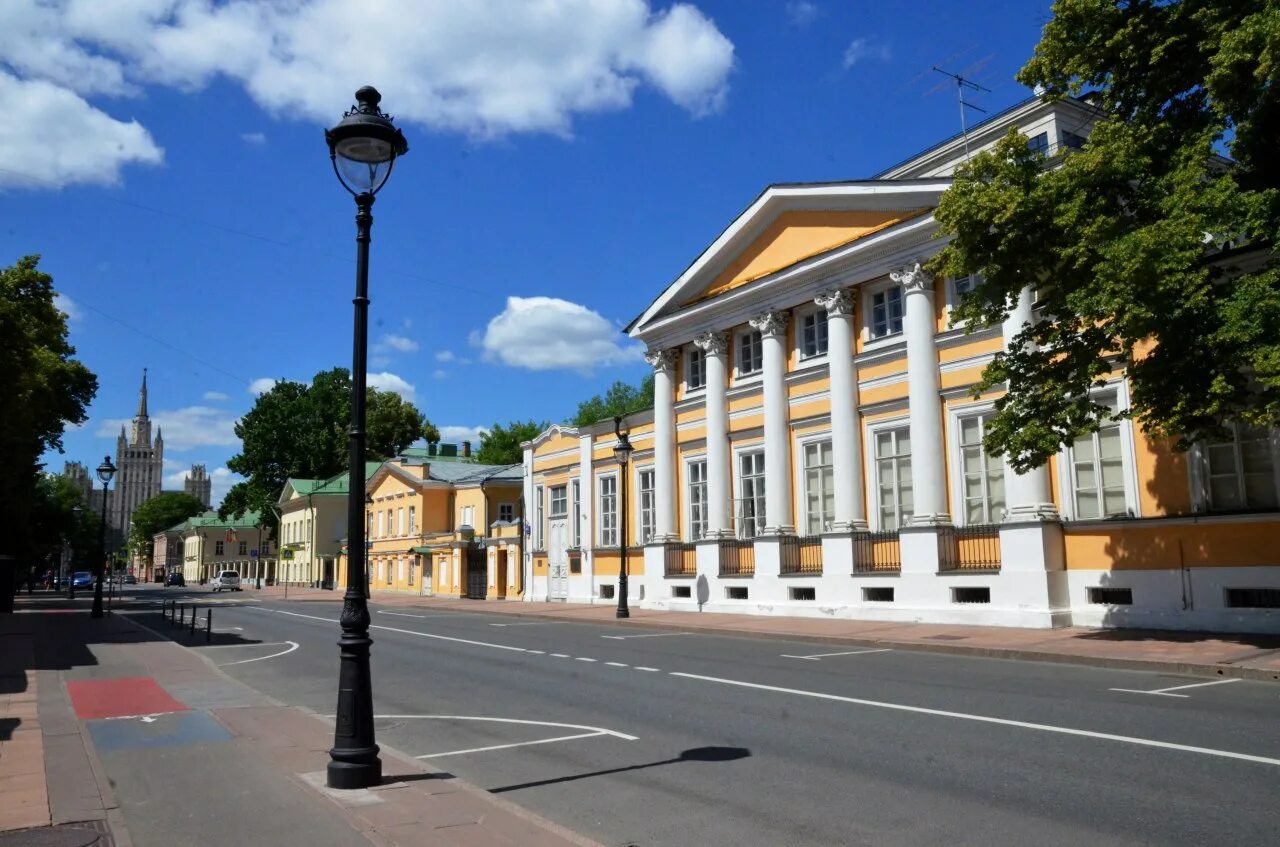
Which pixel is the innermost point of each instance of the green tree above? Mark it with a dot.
(500, 445)
(157, 514)
(297, 430)
(620, 399)
(44, 389)
(1147, 248)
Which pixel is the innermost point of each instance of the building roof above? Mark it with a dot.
(210, 520)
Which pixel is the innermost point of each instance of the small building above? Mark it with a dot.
(211, 544)
(313, 524)
(167, 548)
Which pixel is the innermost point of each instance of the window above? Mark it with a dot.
(577, 513)
(962, 285)
(506, 512)
(696, 370)
(266, 548)
(413, 520)
(886, 312)
(1039, 143)
(390, 526)
(1097, 470)
(751, 514)
(608, 511)
(819, 487)
(982, 475)
(813, 334)
(697, 500)
(401, 569)
(413, 566)
(217, 548)
(467, 516)
(1240, 471)
(750, 353)
(1073, 140)
(539, 520)
(368, 526)
(399, 521)
(382, 524)
(893, 477)
(559, 501)
(243, 549)
(646, 505)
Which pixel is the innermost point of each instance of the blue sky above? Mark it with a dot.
(176, 182)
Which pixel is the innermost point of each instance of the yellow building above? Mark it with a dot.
(313, 524)
(439, 524)
(815, 448)
(211, 544)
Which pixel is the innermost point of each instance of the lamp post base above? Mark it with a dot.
(350, 773)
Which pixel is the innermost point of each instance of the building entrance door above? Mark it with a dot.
(477, 574)
(557, 562)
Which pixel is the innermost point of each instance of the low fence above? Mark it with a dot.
(682, 559)
(737, 557)
(877, 552)
(800, 554)
(969, 548)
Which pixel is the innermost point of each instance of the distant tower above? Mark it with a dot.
(198, 485)
(140, 463)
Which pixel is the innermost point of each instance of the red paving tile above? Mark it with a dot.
(117, 698)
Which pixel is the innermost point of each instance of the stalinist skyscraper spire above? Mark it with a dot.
(140, 462)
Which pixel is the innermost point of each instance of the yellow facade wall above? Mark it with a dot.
(1147, 545)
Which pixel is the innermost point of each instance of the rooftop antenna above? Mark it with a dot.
(961, 84)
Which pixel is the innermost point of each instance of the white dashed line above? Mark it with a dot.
(616, 664)
(650, 670)
(561, 655)
(585, 659)
(538, 652)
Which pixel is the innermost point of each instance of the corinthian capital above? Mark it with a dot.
(770, 323)
(713, 343)
(913, 278)
(837, 301)
(661, 359)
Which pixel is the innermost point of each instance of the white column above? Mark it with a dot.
(1028, 495)
(664, 443)
(846, 436)
(714, 345)
(772, 327)
(586, 491)
(526, 538)
(928, 475)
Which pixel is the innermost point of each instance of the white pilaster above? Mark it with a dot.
(772, 327)
(928, 475)
(1028, 495)
(714, 345)
(526, 535)
(586, 491)
(664, 443)
(846, 445)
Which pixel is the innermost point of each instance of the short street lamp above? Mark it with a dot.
(622, 453)
(363, 148)
(106, 471)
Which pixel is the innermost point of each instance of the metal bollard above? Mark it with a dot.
(208, 625)
(193, 620)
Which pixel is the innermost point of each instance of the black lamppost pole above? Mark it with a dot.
(106, 471)
(363, 148)
(622, 453)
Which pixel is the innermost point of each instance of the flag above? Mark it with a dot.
(231, 535)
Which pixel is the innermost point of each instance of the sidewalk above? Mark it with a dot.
(112, 728)
(1227, 655)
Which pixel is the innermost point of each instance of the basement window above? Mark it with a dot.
(1111, 596)
(883, 594)
(736, 592)
(1253, 598)
(805, 593)
(606, 592)
(682, 592)
(971, 595)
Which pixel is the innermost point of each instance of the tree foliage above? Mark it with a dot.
(501, 445)
(298, 430)
(620, 399)
(53, 521)
(43, 389)
(157, 514)
(1148, 249)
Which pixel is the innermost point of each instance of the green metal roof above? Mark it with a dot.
(210, 520)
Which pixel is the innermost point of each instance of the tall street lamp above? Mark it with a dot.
(106, 471)
(363, 148)
(622, 453)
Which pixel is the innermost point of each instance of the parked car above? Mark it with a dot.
(130, 579)
(82, 579)
(175, 578)
(226, 581)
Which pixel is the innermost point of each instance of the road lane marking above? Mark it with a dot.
(509, 746)
(411, 632)
(561, 655)
(646, 635)
(585, 659)
(816, 656)
(1164, 692)
(538, 652)
(246, 644)
(407, 615)
(263, 658)
(650, 670)
(593, 729)
(920, 710)
(616, 664)
(531, 623)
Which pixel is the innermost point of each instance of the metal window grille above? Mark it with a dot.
(967, 548)
(801, 554)
(737, 557)
(875, 552)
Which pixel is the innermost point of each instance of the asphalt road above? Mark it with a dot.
(646, 737)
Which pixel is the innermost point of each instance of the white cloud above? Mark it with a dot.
(546, 333)
(399, 343)
(801, 13)
(65, 304)
(262, 385)
(458, 434)
(254, 138)
(445, 356)
(61, 139)
(220, 481)
(183, 429)
(861, 48)
(439, 373)
(385, 381)
(380, 361)
(216, 397)
(484, 69)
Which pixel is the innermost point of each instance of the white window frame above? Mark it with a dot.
(540, 516)
(868, 312)
(817, 313)
(551, 501)
(740, 338)
(400, 520)
(954, 294)
(690, 354)
(739, 523)
(801, 478)
(575, 494)
(651, 510)
(606, 517)
(382, 524)
(689, 461)
(1066, 456)
(873, 469)
(467, 516)
(954, 418)
(1198, 468)
(413, 520)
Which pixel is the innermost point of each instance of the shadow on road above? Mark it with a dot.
(695, 754)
